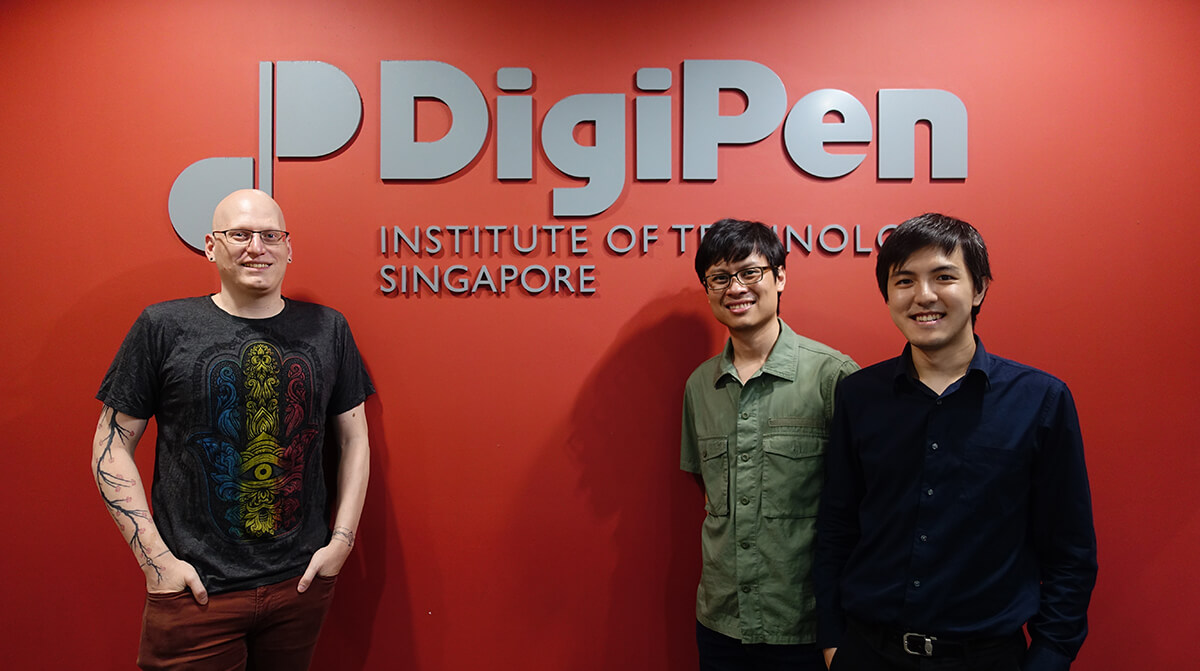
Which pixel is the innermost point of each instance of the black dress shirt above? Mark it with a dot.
(962, 515)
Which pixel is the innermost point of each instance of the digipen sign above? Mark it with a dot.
(497, 241)
(310, 109)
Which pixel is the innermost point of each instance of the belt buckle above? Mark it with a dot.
(926, 649)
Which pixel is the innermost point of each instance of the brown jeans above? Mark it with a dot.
(261, 629)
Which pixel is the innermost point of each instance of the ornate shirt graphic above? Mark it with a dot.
(262, 419)
(241, 407)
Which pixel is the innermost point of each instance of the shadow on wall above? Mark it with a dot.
(620, 555)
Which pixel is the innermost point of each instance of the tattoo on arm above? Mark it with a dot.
(345, 535)
(143, 564)
(110, 484)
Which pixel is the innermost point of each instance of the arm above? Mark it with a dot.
(837, 529)
(843, 371)
(354, 467)
(120, 485)
(1063, 538)
(688, 450)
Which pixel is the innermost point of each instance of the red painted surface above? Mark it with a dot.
(525, 508)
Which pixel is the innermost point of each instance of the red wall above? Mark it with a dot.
(525, 508)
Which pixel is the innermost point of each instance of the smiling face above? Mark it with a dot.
(254, 270)
(930, 296)
(747, 308)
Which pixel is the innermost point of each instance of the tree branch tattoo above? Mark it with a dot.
(110, 484)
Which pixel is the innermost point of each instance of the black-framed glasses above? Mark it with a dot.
(745, 277)
(243, 236)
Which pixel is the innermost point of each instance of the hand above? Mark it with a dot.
(325, 562)
(166, 574)
(829, 652)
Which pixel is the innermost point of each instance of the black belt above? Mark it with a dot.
(926, 645)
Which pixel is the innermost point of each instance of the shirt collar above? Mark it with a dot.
(981, 365)
(781, 362)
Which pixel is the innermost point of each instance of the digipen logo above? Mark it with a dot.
(309, 109)
(306, 109)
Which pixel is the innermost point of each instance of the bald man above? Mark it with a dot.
(245, 541)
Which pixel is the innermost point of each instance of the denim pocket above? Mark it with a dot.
(167, 596)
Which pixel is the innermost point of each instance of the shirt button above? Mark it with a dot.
(745, 457)
(916, 583)
(929, 492)
(745, 415)
(939, 401)
(745, 545)
(934, 446)
(746, 588)
(746, 499)
(924, 538)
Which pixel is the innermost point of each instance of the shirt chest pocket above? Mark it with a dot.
(995, 477)
(714, 468)
(793, 460)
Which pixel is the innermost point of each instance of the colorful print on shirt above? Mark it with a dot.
(263, 426)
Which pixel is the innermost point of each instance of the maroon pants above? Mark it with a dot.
(261, 629)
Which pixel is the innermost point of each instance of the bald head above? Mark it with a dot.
(252, 203)
(251, 266)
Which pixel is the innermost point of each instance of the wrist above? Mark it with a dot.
(150, 560)
(344, 535)
(156, 567)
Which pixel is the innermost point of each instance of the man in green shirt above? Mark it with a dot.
(755, 424)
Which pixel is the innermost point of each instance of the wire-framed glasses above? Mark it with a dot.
(745, 277)
(243, 236)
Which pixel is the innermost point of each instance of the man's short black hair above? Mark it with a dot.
(732, 240)
(939, 231)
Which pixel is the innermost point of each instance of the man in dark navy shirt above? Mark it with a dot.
(956, 506)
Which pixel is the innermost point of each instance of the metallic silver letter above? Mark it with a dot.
(514, 125)
(900, 110)
(805, 132)
(703, 126)
(603, 165)
(401, 84)
(653, 125)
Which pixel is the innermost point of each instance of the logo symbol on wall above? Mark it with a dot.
(310, 109)
(306, 109)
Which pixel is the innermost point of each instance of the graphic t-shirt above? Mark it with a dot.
(241, 407)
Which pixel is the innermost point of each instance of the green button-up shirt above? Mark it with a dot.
(759, 448)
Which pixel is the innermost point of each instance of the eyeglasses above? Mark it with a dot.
(243, 236)
(745, 277)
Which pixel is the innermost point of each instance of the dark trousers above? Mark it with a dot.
(273, 627)
(868, 648)
(719, 652)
